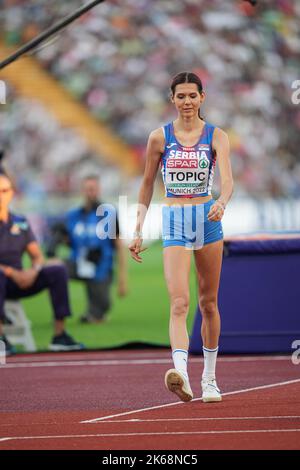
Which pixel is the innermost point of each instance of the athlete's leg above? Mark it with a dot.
(177, 261)
(208, 262)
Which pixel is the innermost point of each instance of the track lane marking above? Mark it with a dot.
(80, 436)
(119, 362)
(158, 420)
(126, 413)
(227, 418)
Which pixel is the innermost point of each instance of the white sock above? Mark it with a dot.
(180, 359)
(210, 359)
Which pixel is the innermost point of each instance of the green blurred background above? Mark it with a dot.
(141, 316)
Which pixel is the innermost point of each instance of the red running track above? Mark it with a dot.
(117, 400)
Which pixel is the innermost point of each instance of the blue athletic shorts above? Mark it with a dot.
(189, 226)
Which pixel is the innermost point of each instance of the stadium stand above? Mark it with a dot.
(248, 64)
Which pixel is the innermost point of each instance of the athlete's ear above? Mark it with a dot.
(172, 98)
(202, 97)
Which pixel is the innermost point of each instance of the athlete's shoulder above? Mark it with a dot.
(220, 138)
(210, 128)
(157, 135)
(157, 139)
(220, 134)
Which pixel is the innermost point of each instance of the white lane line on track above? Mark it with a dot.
(182, 433)
(228, 418)
(88, 363)
(119, 362)
(126, 413)
(102, 355)
(87, 355)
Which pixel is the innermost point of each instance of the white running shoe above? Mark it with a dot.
(178, 384)
(210, 391)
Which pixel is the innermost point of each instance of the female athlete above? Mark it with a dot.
(187, 150)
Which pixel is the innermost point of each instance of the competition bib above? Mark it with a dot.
(187, 171)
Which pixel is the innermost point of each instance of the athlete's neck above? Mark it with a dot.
(187, 124)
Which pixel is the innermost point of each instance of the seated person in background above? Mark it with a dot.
(92, 257)
(16, 237)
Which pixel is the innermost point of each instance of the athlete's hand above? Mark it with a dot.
(135, 248)
(122, 288)
(216, 212)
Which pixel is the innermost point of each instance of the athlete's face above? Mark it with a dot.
(6, 192)
(187, 99)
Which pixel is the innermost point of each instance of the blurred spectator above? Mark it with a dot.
(94, 241)
(16, 238)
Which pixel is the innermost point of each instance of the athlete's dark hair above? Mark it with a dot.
(187, 77)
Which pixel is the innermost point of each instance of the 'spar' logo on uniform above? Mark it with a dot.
(203, 162)
(2, 92)
(184, 163)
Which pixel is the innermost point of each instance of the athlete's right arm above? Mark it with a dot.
(155, 148)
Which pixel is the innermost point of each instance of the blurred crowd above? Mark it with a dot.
(45, 157)
(119, 60)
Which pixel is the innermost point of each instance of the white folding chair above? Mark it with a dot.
(20, 331)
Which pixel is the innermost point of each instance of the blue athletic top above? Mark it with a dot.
(188, 171)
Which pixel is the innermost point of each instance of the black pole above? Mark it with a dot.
(49, 32)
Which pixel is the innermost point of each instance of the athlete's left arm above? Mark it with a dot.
(122, 267)
(222, 148)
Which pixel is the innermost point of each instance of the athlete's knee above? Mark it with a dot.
(180, 305)
(208, 306)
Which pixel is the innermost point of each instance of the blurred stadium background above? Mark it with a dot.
(87, 100)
